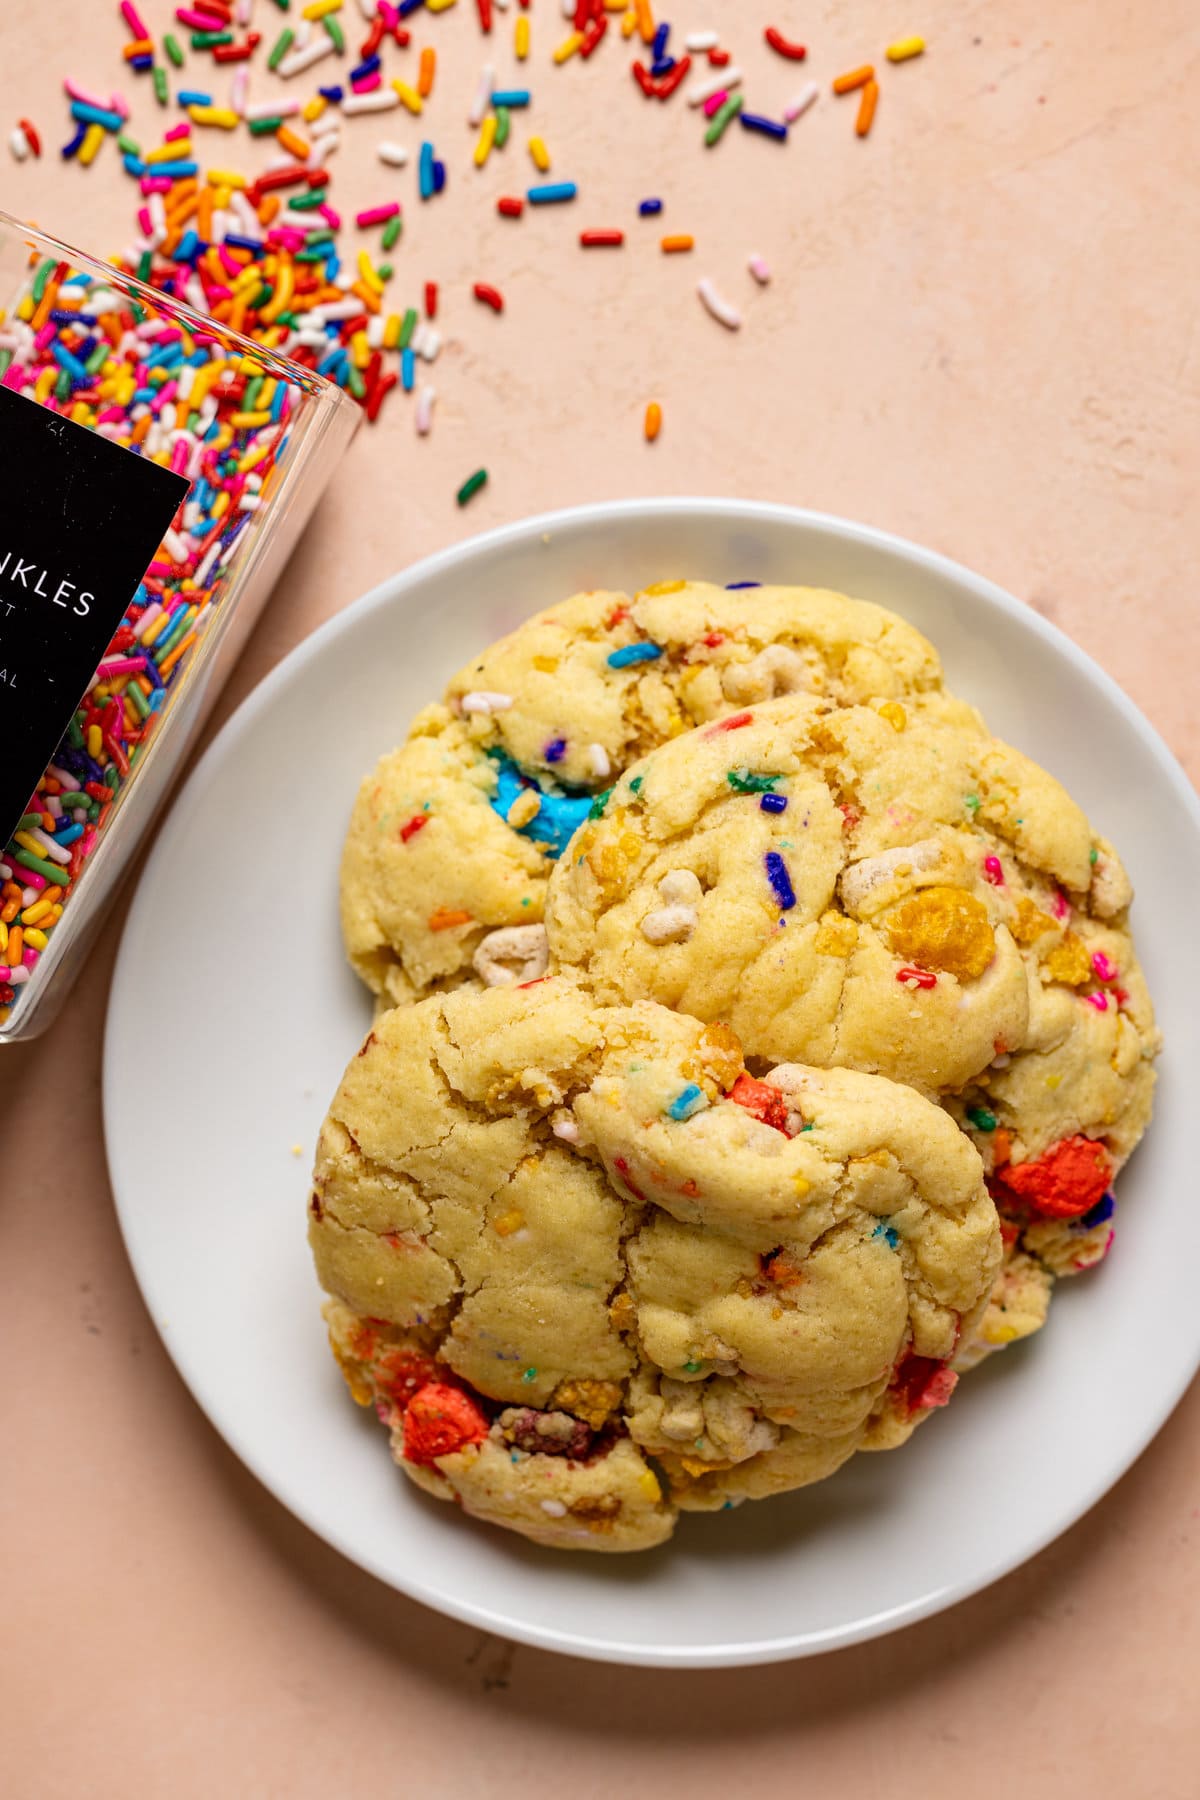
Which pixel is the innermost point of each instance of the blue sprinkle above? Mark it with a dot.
(690, 1100)
(141, 62)
(634, 653)
(1104, 1209)
(658, 49)
(768, 127)
(408, 6)
(648, 208)
(71, 149)
(408, 370)
(555, 750)
(780, 880)
(332, 94)
(662, 66)
(425, 168)
(775, 803)
(439, 175)
(551, 191)
(368, 66)
(887, 1231)
(511, 97)
(730, 585)
(193, 97)
(96, 115)
(238, 242)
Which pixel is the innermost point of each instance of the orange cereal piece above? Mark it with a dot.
(943, 928)
(1066, 1181)
(439, 1420)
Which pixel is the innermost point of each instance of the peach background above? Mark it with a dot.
(982, 334)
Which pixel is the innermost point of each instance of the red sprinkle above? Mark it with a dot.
(485, 14)
(439, 1420)
(490, 296)
(715, 639)
(762, 1100)
(718, 58)
(622, 1168)
(510, 207)
(418, 822)
(1066, 1181)
(31, 136)
(733, 723)
(666, 87)
(783, 46)
(431, 297)
(922, 978)
(641, 75)
(596, 240)
(921, 1382)
(993, 871)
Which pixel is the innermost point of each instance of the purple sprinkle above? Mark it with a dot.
(776, 803)
(730, 585)
(1102, 1211)
(780, 880)
(556, 750)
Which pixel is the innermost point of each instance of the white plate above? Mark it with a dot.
(231, 965)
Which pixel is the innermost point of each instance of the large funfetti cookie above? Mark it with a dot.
(590, 1272)
(453, 835)
(887, 888)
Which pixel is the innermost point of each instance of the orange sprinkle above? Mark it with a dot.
(856, 78)
(293, 143)
(446, 918)
(682, 240)
(866, 108)
(645, 20)
(653, 421)
(425, 77)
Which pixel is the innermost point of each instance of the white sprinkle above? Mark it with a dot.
(568, 9)
(800, 103)
(757, 266)
(598, 761)
(18, 143)
(272, 109)
(367, 9)
(483, 95)
(727, 315)
(481, 701)
(302, 36)
(702, 40)
(394, 155)
(564, 1126)
(376, 326)
(299, 60)
(382, 100)
(701, 91)
(555, 1508)
(424, 418)
(427, 342)
(242, 14)
(323, 148)
(238, 89)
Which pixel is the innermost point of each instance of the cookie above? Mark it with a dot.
(454, 835)
(591, 1272)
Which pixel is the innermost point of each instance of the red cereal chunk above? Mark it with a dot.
(921, 1383)
(1066, 1181)
(401, 1373)
(439, 1420)
(762, 1100)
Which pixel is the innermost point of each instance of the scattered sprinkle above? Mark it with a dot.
(653, 423)
(471, 486)
(780, 880)
(721, 310)
(634, 653)
(905, 49)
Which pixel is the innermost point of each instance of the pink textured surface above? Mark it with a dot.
(981, 333)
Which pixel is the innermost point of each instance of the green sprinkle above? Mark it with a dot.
(391, 231)
(385, 271)
(408, 325)
(692, 1368)
(526, 901)
(980, 1117)
(355, 383)
(44, 272)
(596, 810)
(723, 119)
(41, 866)
(62, 387)
(127, 146)
(503, 126)
(529, 1374)
(6, 357)
(971, 802)
(635, 786)
(471, 486)
(173, 49)
(254, 388)
(161, 91)
(335, 32)
(1093, 857)
(283, 4)
(145, 264)
(743, 782)
(209, 40)
(28, 819)
(283, 44)
(264, 127)
(308, 202)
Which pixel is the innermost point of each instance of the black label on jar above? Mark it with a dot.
(80, 521)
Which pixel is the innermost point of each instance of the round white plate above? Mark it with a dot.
(231, 963)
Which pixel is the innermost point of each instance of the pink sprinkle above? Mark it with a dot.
(145, 222)
(155, 184)
(133, 19)
(993, 870)
(715, 102)
(1099, 1001)
(30, 879)
(176, 131)
(1062, 906)
(389, 15)
(200, 21)
(13, 377)
(1105, 970)
(29, 957)
(121, 665)
(331, 218)
(179, 456)
(376, 215)
(366, 84)
(76, 92)
(120, 105)
(44, 337)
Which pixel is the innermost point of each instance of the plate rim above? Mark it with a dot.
(391, 591)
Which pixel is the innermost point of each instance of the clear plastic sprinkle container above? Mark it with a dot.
(156, 470)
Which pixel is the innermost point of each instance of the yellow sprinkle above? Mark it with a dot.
(895, 715)
(33, 915)
(649, 1486)
(92, 141)
(171, 152)
(568, 47)
(360, 350)
(409, 97)
(507, 1223)
(250, 419)
(226, 178)
(628, 24)
(487, 137)
(665, 587)
(36, 939)
(1052, 1081)
(297, 1149)
(539, 153)
(222, 116)
(367, 271)
(801, 1186)
(547, 665)
(905, 48)
(391, 331)
(437, 6)
(320, 9)
(312, 109)
(1000, 1334)
(520, 37)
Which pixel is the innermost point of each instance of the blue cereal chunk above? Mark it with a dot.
(888, 1232)
(634, 653)
(1103, 1210)
(558, 817)
(688, 1101)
